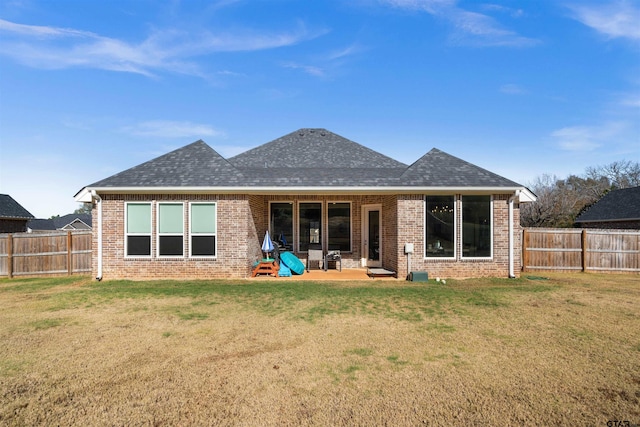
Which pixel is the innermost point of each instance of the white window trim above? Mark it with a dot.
(158, 234)
(486, 258)
(455, 228)
(326, 220)
(215, 235)
(126, 235)
(322, 226)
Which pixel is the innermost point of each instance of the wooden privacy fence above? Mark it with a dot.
(34, 254)
(581, 250)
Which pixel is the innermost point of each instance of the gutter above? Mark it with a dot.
(525, 195)
(98, 199)
(511, 248)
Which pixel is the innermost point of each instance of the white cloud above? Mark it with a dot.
(470, 28)
(588, 138)
(309, 69)
(617, 19)
(169, 50)
(513, 89)
(172, 129)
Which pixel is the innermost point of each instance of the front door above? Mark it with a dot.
(371, 236)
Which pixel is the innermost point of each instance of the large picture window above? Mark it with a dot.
(339, 226)
(310, 222)
(138, 229)
(203, 229)
(281, 223)
(440, 227)
(476, 226)
(170, 229)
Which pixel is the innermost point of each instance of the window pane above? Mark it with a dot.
(170, 245)
(281, 222)
(203, 218)
(476, 226)
(203, 245)
(339, 227)
(138, 218)
(374, 235)
(310, 224)
(440, 226)
(138, 245)
(171, 218)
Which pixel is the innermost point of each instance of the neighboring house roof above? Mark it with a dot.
(10, 209)
(307, 159)
(66, 222)
(617, 205)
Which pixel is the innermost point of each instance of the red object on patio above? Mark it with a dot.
(266, 266)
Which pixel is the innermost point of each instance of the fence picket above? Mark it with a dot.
(23, 254)
(581, 249)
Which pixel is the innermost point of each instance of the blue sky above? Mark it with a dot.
(522, 88)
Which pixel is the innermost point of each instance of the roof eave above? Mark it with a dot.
(607, 220)
(85, 195)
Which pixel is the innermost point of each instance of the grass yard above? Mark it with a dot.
(559, 349)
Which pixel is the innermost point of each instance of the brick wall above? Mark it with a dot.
(411, 230)
(243, 220)
(234, 238)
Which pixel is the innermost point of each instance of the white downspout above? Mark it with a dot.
(99, 207)
(511, 248)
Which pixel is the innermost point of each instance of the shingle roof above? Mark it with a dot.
(617, 205)
(58, 223)
(195, 165)
(10, 209)
(305, 158)
(439, 169)
(313, 148)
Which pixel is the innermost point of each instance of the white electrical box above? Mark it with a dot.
(408, 248)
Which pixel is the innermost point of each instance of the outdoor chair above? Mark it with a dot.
(333, 256)
(315, 254)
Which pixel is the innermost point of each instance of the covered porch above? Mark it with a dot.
(361, 228)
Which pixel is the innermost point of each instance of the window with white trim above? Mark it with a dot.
(440, 226)
(170, 229)
(203, 229)
(477, 228)
(339, 226)
(310, 224)
(137, 229)
(281, 223)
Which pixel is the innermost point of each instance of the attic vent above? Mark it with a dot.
(301, 133)
(322, 133)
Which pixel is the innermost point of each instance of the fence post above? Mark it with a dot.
(10, 256)
(583, 243)
(525, 252)
(69, 254)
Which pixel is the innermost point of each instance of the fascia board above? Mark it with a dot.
(84, 195)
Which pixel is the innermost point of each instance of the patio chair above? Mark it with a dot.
(333, 255)
(315, 254)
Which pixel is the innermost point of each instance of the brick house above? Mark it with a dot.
(193, 214)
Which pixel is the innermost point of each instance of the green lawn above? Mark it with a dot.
(540, 350)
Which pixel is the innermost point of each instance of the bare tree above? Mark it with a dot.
(560, 201)
(621, 174)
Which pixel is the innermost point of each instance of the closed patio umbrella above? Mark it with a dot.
(267, 245)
